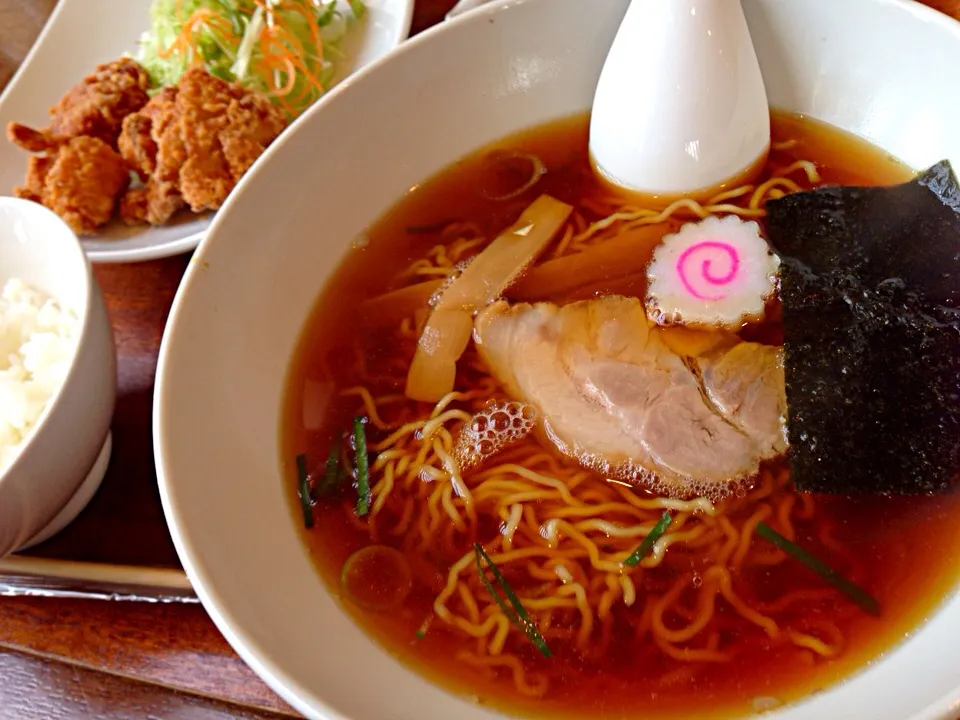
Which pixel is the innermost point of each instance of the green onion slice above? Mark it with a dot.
(424, 627)
(517, 615)
(644, 548)
(363, 466)
(332, 477)
(860, 596)
(303, 490)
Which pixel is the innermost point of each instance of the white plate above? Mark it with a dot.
(82, 34)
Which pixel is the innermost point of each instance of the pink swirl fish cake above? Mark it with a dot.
(715, 273)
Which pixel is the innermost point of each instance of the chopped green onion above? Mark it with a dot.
(647, 544)
(303, 490)
(422, 630)
(860, 596)
(518, 615)
(363, 466)
(332, 475)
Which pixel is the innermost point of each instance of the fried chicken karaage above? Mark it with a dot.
(79, 179)
(97, 105)
(191, 145)
(188, 146)
(78, 172)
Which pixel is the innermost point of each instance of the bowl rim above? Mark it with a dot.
(78, 263)
(265, 666)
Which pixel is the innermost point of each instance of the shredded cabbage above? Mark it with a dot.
(268, 46)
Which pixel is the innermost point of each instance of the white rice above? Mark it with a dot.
(37, 342)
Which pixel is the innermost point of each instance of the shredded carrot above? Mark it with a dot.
(189, 31)
(302, 97)
(295, 48)
(295, 59)
(224, 27)
(282, 59)
(313, 81)
(291, 79)
(287, 106)
(311, 22)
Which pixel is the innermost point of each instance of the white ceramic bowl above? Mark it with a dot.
(879, 68)
(63, 459)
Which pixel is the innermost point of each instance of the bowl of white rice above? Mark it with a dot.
(57, 376)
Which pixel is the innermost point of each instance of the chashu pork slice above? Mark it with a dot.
(746, 383)
(614, 396)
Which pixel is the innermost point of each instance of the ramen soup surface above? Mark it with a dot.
(714, 621)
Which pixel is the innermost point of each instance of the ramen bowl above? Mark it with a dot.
(238, 317)
(57, 466)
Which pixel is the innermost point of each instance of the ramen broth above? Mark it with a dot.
(903, 550)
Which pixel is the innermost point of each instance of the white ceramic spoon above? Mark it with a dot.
(680, 107)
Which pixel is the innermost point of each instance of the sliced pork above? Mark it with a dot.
(612, 394)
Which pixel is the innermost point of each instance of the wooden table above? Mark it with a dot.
(94, 659)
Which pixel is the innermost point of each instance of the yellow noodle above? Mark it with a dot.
(564, 241)
(759, 195)
(382, 490)
(628, 589)
(469, 602)
(690, 654)
(746, 534)
(812, 643)
(809, 169)
(533, 686)
(783, 145)
(446, 499)
(705, 605)
(513, 520)
(586, 612)
(666, 540)
(609, 596)
(612, 530)
(741, 607)
(727, 195)
(598, 562)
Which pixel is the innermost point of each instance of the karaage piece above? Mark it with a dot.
(80, 179)
(154, 203)
(140, 144)
(97, 105)
(192, 144)
(225, 128)
(31, 140)
(78, 172)
(137, 141)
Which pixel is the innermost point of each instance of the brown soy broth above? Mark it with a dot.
(904, 548)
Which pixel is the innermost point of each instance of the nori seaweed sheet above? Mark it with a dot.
(870, 287)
